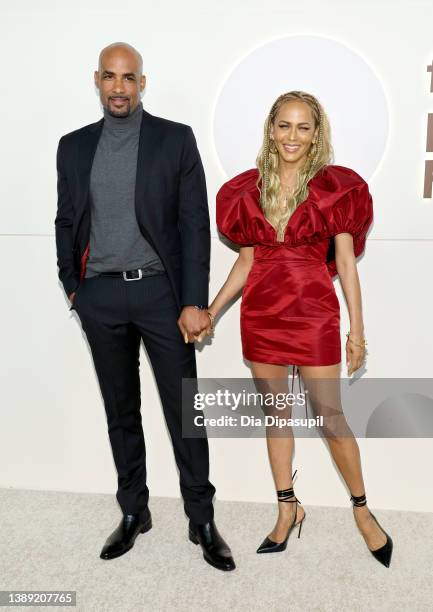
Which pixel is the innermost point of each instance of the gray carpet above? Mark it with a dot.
(52, 540)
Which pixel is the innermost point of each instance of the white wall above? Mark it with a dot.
(48, 386)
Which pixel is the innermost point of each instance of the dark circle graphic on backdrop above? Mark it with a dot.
(350, 91)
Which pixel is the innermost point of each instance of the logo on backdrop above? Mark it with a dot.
(348, 88)
(428, 168)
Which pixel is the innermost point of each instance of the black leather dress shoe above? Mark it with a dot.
(122, 539)
(215, 550)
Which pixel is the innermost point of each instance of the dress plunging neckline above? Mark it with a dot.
(289, 219)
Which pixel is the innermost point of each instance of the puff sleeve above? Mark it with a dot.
(232, 216)
(352, 212)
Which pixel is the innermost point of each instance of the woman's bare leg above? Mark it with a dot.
(274, 378)
(344, 450)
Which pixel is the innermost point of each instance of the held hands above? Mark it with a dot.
(355, 352)
(72, 297)
(194, 324)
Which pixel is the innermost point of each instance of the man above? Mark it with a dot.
(133, 248)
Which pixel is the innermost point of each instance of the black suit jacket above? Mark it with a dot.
(170, 204)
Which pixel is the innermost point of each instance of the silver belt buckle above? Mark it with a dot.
(140, 275)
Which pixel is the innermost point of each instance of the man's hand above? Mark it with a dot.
(193, 323)
(72, 297)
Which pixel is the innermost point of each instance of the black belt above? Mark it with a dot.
(132, 275)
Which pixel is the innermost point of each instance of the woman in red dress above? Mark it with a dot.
(299, 221)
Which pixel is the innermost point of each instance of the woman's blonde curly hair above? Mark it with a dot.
(319, 155)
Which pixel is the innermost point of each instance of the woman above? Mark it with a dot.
(299, 221)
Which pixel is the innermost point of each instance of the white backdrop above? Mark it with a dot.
(53, 430)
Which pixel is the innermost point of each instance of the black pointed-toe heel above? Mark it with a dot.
(384, 553)
(268, 545)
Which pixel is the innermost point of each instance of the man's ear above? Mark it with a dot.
(96, 78)
(142, 82)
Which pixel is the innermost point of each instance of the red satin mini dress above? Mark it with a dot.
(290, 313)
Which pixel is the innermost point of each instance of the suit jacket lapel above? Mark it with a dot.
(147, 146)
(87, 148)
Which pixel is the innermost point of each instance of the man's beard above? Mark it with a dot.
(119, 112)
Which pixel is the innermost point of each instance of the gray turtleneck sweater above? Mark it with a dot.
(116, 242)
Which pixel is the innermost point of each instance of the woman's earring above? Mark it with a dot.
(313, 149)
(272, 146)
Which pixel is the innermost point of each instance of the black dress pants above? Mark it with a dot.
(115, 315)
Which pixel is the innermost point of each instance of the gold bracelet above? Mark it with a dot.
(364, 341)
(212, 320)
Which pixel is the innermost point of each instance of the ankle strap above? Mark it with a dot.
(359, 500)
(286, 495)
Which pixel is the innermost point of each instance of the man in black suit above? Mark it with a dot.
(133, 249)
